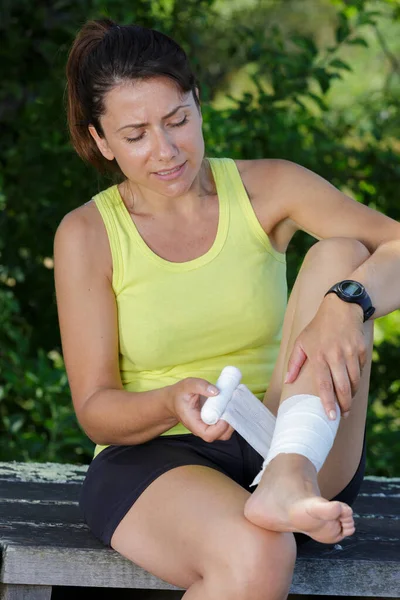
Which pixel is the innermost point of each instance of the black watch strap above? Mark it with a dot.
(355, 293)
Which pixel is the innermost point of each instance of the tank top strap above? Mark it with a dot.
(227, 173)
(108, 204)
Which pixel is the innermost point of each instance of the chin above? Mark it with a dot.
(175, 191)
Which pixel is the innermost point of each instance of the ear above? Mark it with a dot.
(197, 92)
(101, 143)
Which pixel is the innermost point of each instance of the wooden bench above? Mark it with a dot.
(44, 543)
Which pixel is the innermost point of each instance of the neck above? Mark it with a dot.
(140, 200)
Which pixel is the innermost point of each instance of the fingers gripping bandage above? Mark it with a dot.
(215, 406)
(242, 410)
(302, 427)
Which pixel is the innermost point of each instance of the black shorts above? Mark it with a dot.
(119, 474)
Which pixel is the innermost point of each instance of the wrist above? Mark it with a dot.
(353, 292)
(169, 402)
(334, 303)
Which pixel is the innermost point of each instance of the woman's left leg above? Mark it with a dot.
(291, 496)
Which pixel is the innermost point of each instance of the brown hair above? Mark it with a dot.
(105, 54)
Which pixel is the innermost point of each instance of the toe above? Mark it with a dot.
(347, 511)
(348, 527)
(319, 508)
(347, 522)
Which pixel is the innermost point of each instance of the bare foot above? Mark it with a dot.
(288, 499)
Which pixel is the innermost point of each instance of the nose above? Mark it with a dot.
(166, 149)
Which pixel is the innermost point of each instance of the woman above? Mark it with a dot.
(175, 273)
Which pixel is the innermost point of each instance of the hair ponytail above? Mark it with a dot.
(79, 118)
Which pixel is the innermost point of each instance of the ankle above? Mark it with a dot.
(297, 463)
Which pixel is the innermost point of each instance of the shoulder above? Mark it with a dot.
(82, 234)
(278, 186)
(79, 226)
(268, 183)
(278, 173)
(289, 197)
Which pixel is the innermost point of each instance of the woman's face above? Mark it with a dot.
(151, 128)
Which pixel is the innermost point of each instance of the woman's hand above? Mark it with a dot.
(186, 400)
(334, 344)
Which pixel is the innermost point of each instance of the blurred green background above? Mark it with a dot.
(313, 81)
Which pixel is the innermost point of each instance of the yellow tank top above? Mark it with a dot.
(192, 319)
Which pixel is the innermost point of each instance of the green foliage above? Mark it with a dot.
(35, 403)
(285, 112)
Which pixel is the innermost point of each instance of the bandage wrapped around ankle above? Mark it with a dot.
(302, 427)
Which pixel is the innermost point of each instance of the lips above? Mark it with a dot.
(171, 174)
(169, 171)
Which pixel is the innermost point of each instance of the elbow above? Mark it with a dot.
(90, 421)
(91, 431)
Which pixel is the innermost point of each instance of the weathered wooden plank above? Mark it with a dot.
(346, 578)
(77, 593)
(64, 509)
(33, 490)
(62, 512)
(386, 497)
(108, 569)
(101, 568)
(376, 528)
(71, 537)
(67, 473)
(381, 485)
(374, 505)
(366, 503)
(66, 479)
(25, 592)
(46, 498)
(355, 549)
(379, 508)
(41, 515)
(42, 472)
(74, 534)
(63, 482)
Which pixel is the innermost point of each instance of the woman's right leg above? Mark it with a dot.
(188, 528)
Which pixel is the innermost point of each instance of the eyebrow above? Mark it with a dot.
(140, 125)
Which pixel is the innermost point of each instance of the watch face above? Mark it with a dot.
(351, 289)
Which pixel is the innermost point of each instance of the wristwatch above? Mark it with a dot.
(354, 292)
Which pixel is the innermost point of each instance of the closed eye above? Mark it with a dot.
(184, 120)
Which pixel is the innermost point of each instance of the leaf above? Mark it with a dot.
(307, 44)
(31, 378)
(320, 101)
(300, 103)
(15, 423)
(343, 29)
(358, 41)
(368, 18)
(336, 63)
(323, 78)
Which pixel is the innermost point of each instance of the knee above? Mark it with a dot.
(258, 565)
(348, 252)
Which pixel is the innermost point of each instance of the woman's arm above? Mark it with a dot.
(89, 333)
(317, 207)
(287, 197)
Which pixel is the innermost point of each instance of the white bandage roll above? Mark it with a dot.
(215, 406)
(302, 427)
